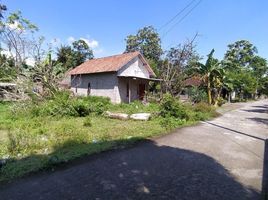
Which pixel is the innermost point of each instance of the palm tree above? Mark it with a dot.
(211, 73)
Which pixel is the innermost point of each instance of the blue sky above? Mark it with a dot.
(105, 24)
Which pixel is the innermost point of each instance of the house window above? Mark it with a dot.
(88, 89)
(127, 90)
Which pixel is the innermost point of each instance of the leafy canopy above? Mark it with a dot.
(147, 41)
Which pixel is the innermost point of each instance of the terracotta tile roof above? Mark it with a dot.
(193, 81)
(108, 64)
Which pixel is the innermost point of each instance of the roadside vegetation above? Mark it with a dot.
(39, 135)
(43, 125)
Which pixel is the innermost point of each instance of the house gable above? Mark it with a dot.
(135, 68)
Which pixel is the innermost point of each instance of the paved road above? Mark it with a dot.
(218, 159)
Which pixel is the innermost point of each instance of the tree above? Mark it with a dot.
(16, 32)
(240, 54)
(245, 68)
(72, 56)
(7, 71)
(147, 41)
(177, 61)
(259, 69)
(2, 8)
(212, 76)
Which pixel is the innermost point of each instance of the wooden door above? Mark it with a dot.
(141, 91)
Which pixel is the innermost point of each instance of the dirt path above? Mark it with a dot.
(218, 159)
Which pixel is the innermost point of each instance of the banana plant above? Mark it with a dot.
(211, 74)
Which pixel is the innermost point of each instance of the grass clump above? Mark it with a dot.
(87, 122)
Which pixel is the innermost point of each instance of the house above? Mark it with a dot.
(122, 78)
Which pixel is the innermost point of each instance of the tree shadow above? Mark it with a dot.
(258, 109)
(259, 120)
(235, 131)
(146, 171)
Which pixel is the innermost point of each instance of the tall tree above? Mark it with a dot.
(16, 32)
(177, 61)
(245, 68)
(239, 54)
(72, 56)
(147, 41)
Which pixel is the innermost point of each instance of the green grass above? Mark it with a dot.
(31, 143)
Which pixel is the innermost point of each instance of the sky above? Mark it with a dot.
(105, 24)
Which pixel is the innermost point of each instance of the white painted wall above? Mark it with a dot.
(134, 68)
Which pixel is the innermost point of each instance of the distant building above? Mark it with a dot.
(122, 78)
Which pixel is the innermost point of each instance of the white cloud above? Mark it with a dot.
(71, 39)
(91, 43)
(30, 61)
(6, 53)
(14, 25)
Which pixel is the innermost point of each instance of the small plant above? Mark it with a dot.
(171, 107)
(87, 122)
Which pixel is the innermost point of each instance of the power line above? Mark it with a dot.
(181, 19)
(173, 18)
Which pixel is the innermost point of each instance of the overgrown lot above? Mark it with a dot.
(40, 134)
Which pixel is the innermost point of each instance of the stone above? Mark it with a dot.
(121, 116)
(141, 116)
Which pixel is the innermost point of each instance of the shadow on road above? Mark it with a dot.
(258, 109)
(147, 171)
(259, 120)
(232, 130)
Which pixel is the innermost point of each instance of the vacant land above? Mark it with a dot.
(34, 137)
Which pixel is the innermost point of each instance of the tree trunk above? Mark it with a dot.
(209, 93)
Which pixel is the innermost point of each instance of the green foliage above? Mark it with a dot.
(87, 122)
(197, 94)
(147, 41)
(7, 68)
(239, 54)
(41, 134)
(171, 107)
(63, 104)
(72, 56)
(204, 108)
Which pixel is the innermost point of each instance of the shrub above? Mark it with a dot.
(204, 108)
(171, 122)
(81, 107)
(87, 122)
(197, 95)
(172, 107)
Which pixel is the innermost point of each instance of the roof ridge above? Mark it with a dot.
(122, 54)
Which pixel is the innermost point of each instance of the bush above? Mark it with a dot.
(204, 108)
(171, 122)
(171, 107)
(197, 95)
(87, 122)
(63, 104)
(81, 107)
